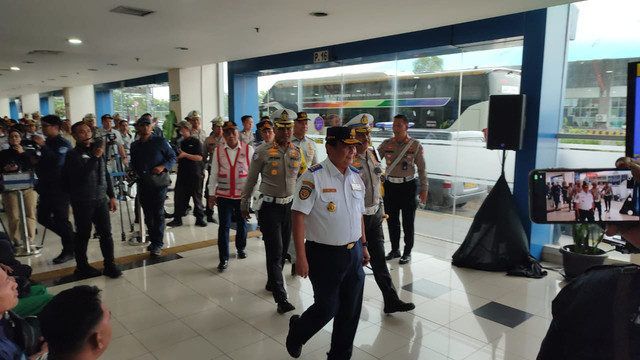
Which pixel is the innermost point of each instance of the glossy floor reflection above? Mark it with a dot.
(185, 309)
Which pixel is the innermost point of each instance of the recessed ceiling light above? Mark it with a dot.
(14, 68)
(319, 14)
(27, 62)
(111, 64)
(92, 69)
(63, 76)
(75, 41)
(182, 48)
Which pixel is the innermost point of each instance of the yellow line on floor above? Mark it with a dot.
(55, 274)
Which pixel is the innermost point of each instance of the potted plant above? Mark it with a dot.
(584, 252)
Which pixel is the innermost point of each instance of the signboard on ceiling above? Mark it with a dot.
(320, 56)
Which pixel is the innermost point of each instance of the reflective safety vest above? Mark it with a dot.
(232, 177)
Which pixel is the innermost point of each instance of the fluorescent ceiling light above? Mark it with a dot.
(75, 41)
(14, 68)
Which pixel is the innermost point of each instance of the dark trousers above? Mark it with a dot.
(53, 214)
(338, 282)
(188, 189)
(607, 202)
(275, 223)
(375, 237)
(397, 198)
(598, 205)
(209, 210)
(94, 212)
(585, 215)
(152, 203)
(226, 207)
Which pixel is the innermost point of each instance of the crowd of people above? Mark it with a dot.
(583, 198)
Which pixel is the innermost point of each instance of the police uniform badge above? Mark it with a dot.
(256, 155)
(332, 207)
(305, 192)
(284, 116)
(364, 120)
(274, 172)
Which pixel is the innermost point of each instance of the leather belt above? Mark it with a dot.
(277, 200)
(400, 180)
(349, 246)
(371, 210)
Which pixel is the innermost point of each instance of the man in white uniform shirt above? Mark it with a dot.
(327, 210)
(584, 204)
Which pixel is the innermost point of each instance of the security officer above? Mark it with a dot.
(327, 210)
(246, 136)
(212, 142)
(367, 163)
(402, 155)
(279, 164)
(90, 120)
(86, 179)
(229, 171)
(151, 154)
(265, 128)
(53, 204)
(189, 180)
(196, 129)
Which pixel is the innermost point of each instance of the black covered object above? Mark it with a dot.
(496, 240)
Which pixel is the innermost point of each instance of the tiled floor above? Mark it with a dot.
(186, 309)
(183, 308)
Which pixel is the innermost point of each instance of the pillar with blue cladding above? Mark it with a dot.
(44, 106)
(244, 101)
(13, 109)
(104, 104)
(543, 77)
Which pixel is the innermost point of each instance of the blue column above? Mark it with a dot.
(543, 64)
(44, 106)
(104, 104)
(244, 99)
(13, 109)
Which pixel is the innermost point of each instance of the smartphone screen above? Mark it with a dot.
(583, 195)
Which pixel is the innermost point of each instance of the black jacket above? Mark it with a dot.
(50, 164)
(85, 177)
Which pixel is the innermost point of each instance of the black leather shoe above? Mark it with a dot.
(86, 272)
(285, 306)
(211, 219)
(293, 348)
(169, 216)
(175, 223)
(392, 255)
(63, 258)
(399, 306)
(404, 259)
(201, 223)
(223, 265)
(242, 254)
(112, 271)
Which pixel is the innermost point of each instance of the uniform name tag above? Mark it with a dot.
(329, 190)
(356, 187)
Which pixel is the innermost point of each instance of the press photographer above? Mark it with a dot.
(86, 179)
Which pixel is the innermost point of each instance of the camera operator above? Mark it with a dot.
(189, 179)
(597, 315)
(114, 141)
(53, 204)
(88, 182)
(14, 160)
(151, 154)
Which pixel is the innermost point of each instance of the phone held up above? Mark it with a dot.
(583, 195)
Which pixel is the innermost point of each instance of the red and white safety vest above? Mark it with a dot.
(231, 177)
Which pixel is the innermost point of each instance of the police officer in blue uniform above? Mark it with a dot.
(53, 204)
(151, 154)
(327, 211)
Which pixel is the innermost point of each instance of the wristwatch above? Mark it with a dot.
(366, 243)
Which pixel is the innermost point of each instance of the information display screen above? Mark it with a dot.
(633, 110)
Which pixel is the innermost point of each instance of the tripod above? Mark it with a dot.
(117, 171)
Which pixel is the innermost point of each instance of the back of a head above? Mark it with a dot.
(69, 318)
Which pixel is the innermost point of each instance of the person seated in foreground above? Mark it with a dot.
(76, 324)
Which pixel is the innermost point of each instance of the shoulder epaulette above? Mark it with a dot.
(315, 168)
(354, 170)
